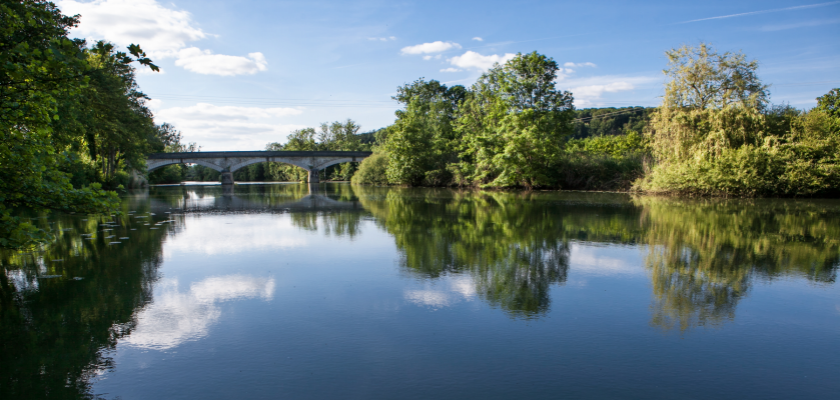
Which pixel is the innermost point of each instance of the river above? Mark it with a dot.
(354, 292)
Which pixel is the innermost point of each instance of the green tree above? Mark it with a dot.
(421, 143)
(715, 135)
(118, 126)
(39, 65)
(610, 121)
(298, 140)
(829, 103)
(700, 77)
(372, 170)
(514, 123)
(340, 136)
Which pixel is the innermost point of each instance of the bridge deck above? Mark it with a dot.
(231, 154)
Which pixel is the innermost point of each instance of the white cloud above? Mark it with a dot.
(585, 64)
(474, 60)
(478, 39)
(154, 104)
(589, 91)
(437, 57)
(563, 73)
(450, 69)
(229, 127)
(433, 47)
(160, 31)
(205, 62)
(206, 111)
(176, 317)
(383, 39)
(585, 95)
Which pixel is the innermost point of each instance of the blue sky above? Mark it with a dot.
(239, 74)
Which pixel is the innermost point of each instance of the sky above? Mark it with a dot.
(237, 75)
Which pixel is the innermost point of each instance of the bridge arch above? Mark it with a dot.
(339, 161)
(163, 163)
(243, 164)
(300, 164)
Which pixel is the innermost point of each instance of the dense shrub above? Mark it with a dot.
(373, 170)
(601, 163)
(741, 151)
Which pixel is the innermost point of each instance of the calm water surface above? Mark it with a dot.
(337, 291)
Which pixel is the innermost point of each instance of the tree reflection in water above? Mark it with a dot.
(65, 308)
(508, 244)
(702, 256)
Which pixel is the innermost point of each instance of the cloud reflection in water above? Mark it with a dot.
(450, 290)
(175, 317)
(235, 234)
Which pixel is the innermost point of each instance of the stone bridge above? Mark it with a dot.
(227, 162)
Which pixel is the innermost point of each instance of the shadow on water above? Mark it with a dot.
(63, 309)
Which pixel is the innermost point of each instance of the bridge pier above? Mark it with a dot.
(314, 177)
(227, 178)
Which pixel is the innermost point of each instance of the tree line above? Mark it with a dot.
(715, 134)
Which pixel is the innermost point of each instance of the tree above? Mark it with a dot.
(43, 75)
(340, 136)
(298, 140)
(701, 78)
(514, 123)
(118, 125)
(829, 103)
(38, 65)
(715, 135)
(421, 143)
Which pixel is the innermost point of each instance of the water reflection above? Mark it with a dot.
(513, 246)
(446, 292)
(176, 317)
(705, 254)
(702, 255)
(64, 308)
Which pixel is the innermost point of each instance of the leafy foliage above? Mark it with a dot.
(714, 134)
(700, 77)
(39, 66)
(71, 119)
(373, 170)
(610, 121)
(514, 123)
(420, 145)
